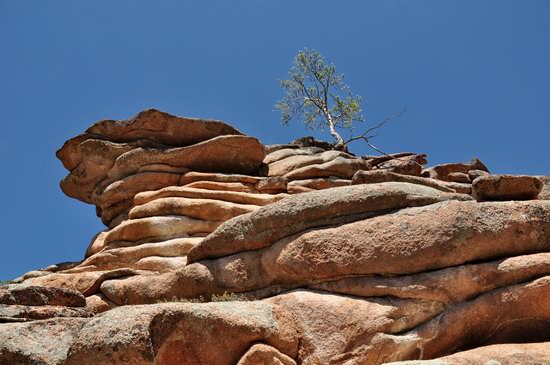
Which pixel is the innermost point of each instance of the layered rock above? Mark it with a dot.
(219, 250)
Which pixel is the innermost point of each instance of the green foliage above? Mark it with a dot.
(4, 282)
(316, 95)
(225, 297)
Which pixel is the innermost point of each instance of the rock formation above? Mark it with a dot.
(220, 250)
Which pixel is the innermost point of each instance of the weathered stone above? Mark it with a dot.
(506, 187)
(299, 212)
(223, 186)
(38, 342)
(96, 244)
(37, 295)
(275, 183)
(161, 127)
(98, 303)
(339, 167)
(406, 165)
(87, 283)
(182, 333)
(294, 162)
(380, 176)
(194, 176)
(288, 152)
(224, 154)
(320, 314)
(128, 187)
(229, 196)
(450, 285)
(442, 172)
(513, 314)
(545, 192)
(207, 209)
(35, 312)
(300, 186)
(128, 257)
(261, 354)
(164, 227)
(460, 177)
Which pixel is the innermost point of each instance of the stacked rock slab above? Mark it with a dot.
(219, 250)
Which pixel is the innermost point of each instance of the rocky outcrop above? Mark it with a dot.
(219, 250)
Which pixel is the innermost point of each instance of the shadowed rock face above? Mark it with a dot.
(219, 250)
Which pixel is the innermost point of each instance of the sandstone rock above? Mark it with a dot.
(128, 187)
(96, 244)
(409, 241)
(506, 187)
(339, 167)
(95, 158)
(545, 192)
(194, 176)
(164, 227)
(87, 283)
(38, 342)
(299, 212)
(224, 154)
(162, 127)
(133, 256)
(459, 177)
(35, 312)
(261, 354)
(513, 354)
(98, 303)
(223, 186)
(473, 174)
(187, 192)
(275, 183)
(288, 152)
(207, 209)
(380, 176)
(322, 315)
(299, 186)
(450, 285)
(376, 160)
(294, 162)
(37, 295)
(442, 172)
(175, 333)
(513, 314)
(406, 165)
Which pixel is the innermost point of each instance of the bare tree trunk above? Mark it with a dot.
(340, 143)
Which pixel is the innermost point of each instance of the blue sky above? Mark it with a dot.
(474, 75)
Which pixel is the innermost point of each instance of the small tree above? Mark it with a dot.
(317, 96)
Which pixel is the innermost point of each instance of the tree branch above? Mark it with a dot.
(364, 135)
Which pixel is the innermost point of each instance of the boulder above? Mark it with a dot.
(35, 312)
(442, 172)
(207, 209)
(261, 354)
(187, 192)
(194, 176)
(297, 161)
(223, 154)
(545, 192)
(460, 177)
(338, 167)
(283, 153)
(37, 295)
(182, 333)
(409, 241)
(299, 186)
(155, 125)
(155, 228)
(38, 342)
(299, 212)
(507, 187)
(380, 176)
(406, 165)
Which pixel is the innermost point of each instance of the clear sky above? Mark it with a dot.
(474, 75)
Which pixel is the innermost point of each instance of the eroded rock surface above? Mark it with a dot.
(219, 250)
